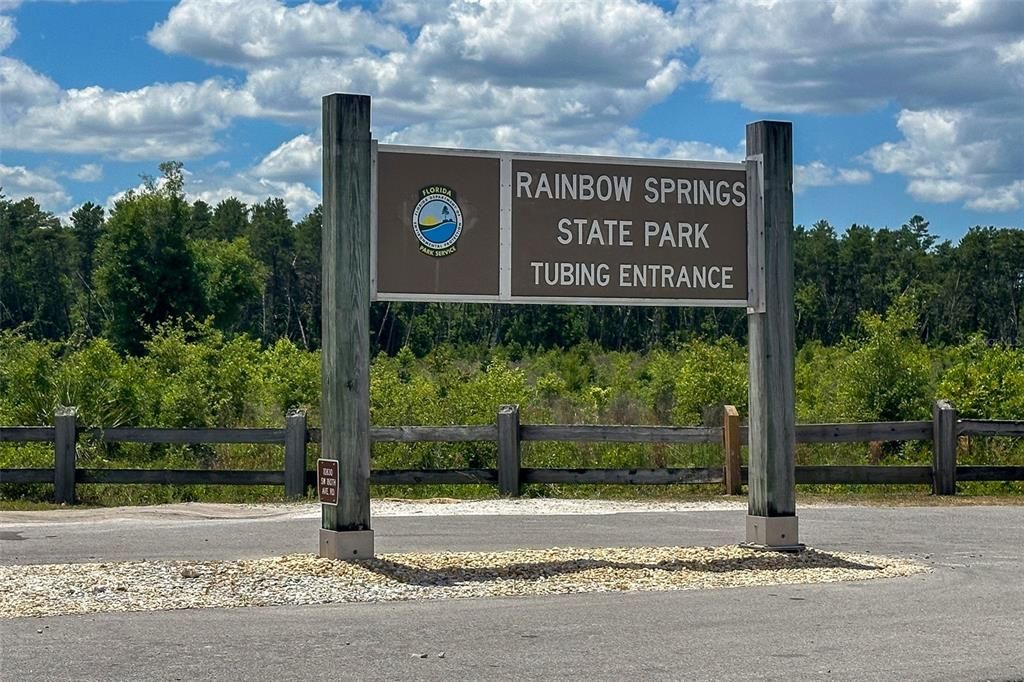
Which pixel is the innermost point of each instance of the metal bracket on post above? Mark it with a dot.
(755, 234)
(775, 533)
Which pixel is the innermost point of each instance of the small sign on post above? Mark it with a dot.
(327, 481)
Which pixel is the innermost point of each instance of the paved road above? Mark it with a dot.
(963, 621)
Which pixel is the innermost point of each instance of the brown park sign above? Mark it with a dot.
(327, 481)
(437, 226)
(520, 228)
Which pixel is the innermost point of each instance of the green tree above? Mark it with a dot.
(87, 227)
(145, 273)
(36, 266)
(991, 262)
(232, 280)
(272, 236)
(817, 296)
(307, 266)
(230, 219)
(200, 223)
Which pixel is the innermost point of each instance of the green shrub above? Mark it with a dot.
(985, 382)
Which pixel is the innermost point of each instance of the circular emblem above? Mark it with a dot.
(437, 220)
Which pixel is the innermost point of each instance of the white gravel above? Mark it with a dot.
(59, 589)
(54, 589)
(378, 507)
(540, 506)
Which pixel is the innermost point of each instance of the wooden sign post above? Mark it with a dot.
(345, 337)
(427, 224)
(771, 509)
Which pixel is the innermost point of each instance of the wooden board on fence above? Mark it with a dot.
(863, 432)
(26, 434)
(864, 475)
(180, 476)
(25, 475)
(990, 473)
(194, 435)
(622, 476)
(986, 427)
(600, 433)
(433, 476)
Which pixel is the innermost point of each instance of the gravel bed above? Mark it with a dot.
(198, 511)
(58, 589)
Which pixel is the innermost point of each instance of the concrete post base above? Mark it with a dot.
(773, 532)
(346, 544)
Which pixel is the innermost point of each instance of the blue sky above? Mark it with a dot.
(899, 107)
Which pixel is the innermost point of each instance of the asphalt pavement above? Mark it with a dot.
(962, 621)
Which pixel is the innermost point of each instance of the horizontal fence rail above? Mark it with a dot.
(185, 436)
(863, 432)
(26, 434)
(944, 431)
(982, 427)
(598, 433)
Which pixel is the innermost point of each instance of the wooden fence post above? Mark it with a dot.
(731, 446)
(295, 454)
(943, 448)
(65, 435)
(509, 456)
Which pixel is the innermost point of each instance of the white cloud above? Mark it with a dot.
(296, 159)
(849, 55)
(1012, 53)
(7, 31)
(951, 66)
(412, 12)
(564, 76)
(819, 174)
(240, 32)
(21, 88)
(957, 154)
(1006, 198)
(616, 43)
(938, 190)
(19, 182)
(159, 121)
(87, 172)
(564, 72)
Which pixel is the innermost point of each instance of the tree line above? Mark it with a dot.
(250, 270)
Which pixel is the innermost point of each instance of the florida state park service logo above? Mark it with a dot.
(437, 220)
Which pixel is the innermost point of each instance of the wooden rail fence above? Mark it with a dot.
(943, 430)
